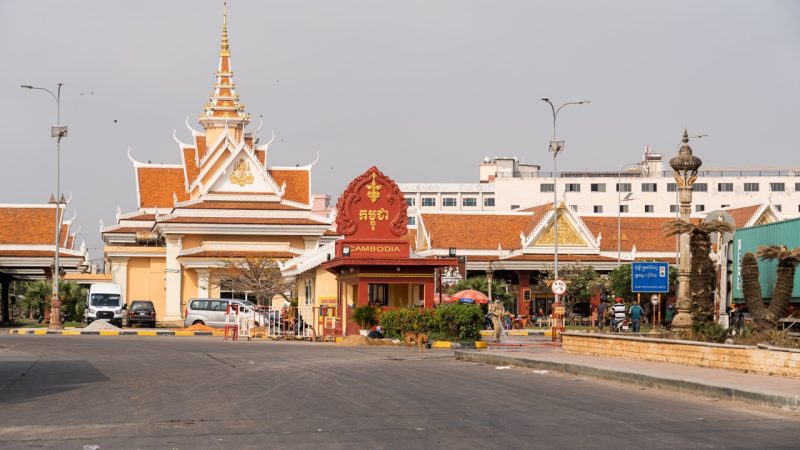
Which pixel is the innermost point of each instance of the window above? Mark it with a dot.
(725, 187)
(488, 201)
(308, 292)
(546, 187)
(777, 187)
(598, 208)
(574, 208)
(598, 187)
(623, 208)
(700, 187)
(672, 187)
(724, 206)
(649, 208)
(410, 201)
(751, 187)
(623, 187)
(514, 206)
(428, 201)
(673, 208)
(469, 201)
(778, 208)
(449, 201)
(797, 187)
(572, 187)
(378, 294)
(412, 221)
(649, 187)
(699, 208)
(228, 290)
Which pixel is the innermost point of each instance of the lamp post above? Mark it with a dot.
(619, 209)
(59, 131)
(685, 167)
(556, 147)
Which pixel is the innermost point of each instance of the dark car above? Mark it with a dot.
(143, 312)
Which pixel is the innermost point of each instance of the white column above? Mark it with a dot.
(119, 275)
(203, 282)
(310, 242)
(172, 278)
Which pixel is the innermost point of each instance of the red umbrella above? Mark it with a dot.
(471, 296)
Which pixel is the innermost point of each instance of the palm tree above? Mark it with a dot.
(784, 284)
(751, 288)
(703, 279)
(39, 293)
(73, 299)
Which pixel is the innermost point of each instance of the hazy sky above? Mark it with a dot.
(423, 89)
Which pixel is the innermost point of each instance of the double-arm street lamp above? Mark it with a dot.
(59, 131)
(557, 146)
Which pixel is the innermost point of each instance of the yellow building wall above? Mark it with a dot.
(196, 240)
(188, 287)
(145, 281)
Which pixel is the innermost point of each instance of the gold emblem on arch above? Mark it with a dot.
(567, 236)
(241, 173)
(374, 189)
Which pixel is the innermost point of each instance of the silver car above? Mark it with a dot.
(211, 312)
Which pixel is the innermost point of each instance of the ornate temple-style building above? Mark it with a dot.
(222, 200)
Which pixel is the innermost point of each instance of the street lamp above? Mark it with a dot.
(59, 131)
(619, 208)
(685, 167)
(556, 147)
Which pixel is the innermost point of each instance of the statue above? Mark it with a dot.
(497, 311)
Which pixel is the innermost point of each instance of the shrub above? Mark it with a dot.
(460, 321)
(395, 323)
(365, 316)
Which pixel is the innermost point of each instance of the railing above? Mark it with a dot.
(654, 174)
(286, 323)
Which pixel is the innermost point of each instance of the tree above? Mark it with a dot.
(73, 297)
(582, 282)
(703, 276)
(751, 288)
(481, 284)
(258, 275)
(784, 283)
(38, 294)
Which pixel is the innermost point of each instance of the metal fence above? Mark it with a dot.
(286, 323)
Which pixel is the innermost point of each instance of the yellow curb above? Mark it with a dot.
(441, 344)
(71, 333)
(109, 333)
(339, 338)
(481, 344)
(184, 333)
(486, 332)
(40, 332)
(143, 333)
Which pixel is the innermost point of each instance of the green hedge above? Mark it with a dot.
(449, 322)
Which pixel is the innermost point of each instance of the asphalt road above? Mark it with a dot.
(97, 392)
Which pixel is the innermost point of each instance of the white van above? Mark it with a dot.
(104, 302)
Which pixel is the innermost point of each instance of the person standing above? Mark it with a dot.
(497, 311)
(618, 311)
(636, 312)
(668, 316)
(601, 313)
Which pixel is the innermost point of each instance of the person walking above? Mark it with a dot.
(618, 311)
(497, 311)
(601, 313)
(668, 316)
(636, 313)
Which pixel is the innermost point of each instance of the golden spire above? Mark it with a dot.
(224, 47)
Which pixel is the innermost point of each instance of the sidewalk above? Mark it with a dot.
(775, 392)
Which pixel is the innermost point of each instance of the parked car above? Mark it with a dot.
(211, 312)
(143, 312)
(104, 301)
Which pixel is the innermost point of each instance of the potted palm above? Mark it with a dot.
(365, 317)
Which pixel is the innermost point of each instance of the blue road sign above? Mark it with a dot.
(650, 277)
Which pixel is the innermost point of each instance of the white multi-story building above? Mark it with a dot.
(637, 190)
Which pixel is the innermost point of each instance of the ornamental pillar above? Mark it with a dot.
(203, 279)
(172, 278)
(119, 275)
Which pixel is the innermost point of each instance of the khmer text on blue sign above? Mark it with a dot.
(649, 277)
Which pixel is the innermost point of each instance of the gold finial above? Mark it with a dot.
(224, 46)
(374, 189)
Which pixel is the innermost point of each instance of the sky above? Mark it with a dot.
(423, 89)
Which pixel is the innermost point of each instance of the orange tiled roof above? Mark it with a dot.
(548, 257)
(213, 204)
(123, 230)
(157, 184)
(647, 233)
(242, 220)
(35, 253)
(477, 231)
(200, 144)
(297, 184)
(27, 226)
(191, 168)
(141, 217)
(742, 215)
